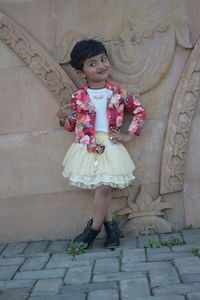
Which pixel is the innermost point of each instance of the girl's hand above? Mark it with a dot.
(124, 137)
(63, 111)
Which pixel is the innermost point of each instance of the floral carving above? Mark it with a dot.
(36, 57)
(139, 58)
(180, 118)
(144, 215)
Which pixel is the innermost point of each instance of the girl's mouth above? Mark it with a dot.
(103, 71)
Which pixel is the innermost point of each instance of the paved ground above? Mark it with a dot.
(42, 270)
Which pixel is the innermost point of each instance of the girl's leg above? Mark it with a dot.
(102, 201)
(102, 214)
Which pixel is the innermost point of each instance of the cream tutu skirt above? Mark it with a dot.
(114, 167)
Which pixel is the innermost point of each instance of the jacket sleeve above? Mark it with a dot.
(133, 106)
(70, 122)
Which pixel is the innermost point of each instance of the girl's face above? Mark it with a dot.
(95, 70)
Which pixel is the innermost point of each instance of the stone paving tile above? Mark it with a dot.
(47, 287)
(180, 289)
(2, 247)
(167, 256)
(42, 274)
(57, 246)
(74, 296)
(191, 236)
(28, 255)
(143, 239)
(35, 247)
(12, 284)
(62, 260)
(14, 249)
(186, 248)
(104, 294)
(100, 254)
(163, 276)
(34, 263)
(7, 272)
(15, 294)
(106, 265)
(188, 265)
(11, 261)
(117, 276)
(137, 287)
(161, 297)
(186, 278)
(88, 276)
(133, 255)
(78, 275)
(193, 296)
(85, 288)
(143, 266)
(158, 250)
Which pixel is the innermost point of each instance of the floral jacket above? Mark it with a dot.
(83, 114)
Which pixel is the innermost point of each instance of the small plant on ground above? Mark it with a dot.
(174, 241)
(76, 248)
(194, 251)
(153, 244)
(189, 227)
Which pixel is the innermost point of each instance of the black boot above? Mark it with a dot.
(112, 232)
(88, 235)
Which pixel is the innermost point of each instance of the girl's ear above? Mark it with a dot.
(81, 73)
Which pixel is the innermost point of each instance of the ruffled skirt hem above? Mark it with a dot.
(86, 182)
(114, 167)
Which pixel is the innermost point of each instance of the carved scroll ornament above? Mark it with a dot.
(139, 60)
(181, 114)
(145, 215)
(36, 57)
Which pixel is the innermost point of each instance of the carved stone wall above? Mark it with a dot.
(148, 43)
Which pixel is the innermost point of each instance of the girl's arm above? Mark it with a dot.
(133, 106)
(67, 116)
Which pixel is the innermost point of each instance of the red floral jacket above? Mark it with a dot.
(83, 114)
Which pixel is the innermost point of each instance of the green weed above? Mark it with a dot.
(76, 248)
(194, 251)
(173, 241)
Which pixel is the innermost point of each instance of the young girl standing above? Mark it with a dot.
(97, 159)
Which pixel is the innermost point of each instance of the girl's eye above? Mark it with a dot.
(92, 64)
(103, 59)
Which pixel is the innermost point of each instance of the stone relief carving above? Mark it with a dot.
(144, 215)
(36, 57)
(139, 60)
(181, 114)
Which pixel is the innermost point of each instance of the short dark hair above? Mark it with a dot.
(85, 49)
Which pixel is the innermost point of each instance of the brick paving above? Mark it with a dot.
(42, 270)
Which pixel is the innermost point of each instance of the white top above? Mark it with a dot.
(99, 99)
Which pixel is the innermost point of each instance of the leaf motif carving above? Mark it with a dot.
(183, 35)
(124, 211)
(143, 200)
(154, 204)
(164, 205)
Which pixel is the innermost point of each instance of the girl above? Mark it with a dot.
(97, 159)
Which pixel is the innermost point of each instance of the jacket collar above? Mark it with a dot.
(108, 85)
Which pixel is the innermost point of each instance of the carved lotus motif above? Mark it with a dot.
(144, 215)
(144, 206)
